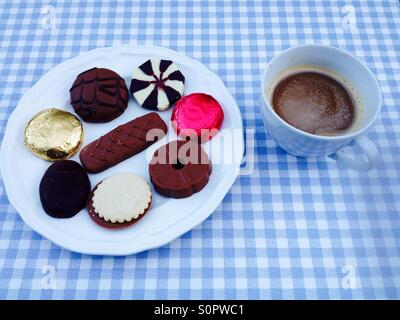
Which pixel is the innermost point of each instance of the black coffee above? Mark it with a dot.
(314, 103)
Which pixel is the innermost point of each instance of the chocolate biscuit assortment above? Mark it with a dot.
(177, 170)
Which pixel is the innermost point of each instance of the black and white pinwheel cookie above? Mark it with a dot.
(157, 84)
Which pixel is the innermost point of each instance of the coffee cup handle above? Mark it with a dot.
(360, 165)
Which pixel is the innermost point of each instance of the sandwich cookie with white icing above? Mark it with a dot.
(119, 201)
(157, 84)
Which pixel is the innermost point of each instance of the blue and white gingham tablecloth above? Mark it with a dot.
(294, 228)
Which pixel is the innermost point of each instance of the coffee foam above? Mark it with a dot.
(356, 100)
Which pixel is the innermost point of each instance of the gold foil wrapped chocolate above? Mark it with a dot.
(54, 134)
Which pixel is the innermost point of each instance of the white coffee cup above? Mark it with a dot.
(355, 74)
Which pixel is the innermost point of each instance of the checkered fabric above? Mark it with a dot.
(292, 228)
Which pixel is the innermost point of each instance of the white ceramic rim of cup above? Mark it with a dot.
(350, 135)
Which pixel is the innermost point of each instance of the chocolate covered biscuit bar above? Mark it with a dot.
(122, 143)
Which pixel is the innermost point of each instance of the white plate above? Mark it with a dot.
(168, 218)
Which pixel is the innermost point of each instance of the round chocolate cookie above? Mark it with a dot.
(179, 169)
(64, 189)
(119, 201)
(157, 84)
(99, 95)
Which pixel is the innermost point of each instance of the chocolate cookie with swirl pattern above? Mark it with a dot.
(157, 84)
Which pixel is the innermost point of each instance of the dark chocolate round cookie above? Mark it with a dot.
(99, 95)
(64, 189)
(179, 169)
